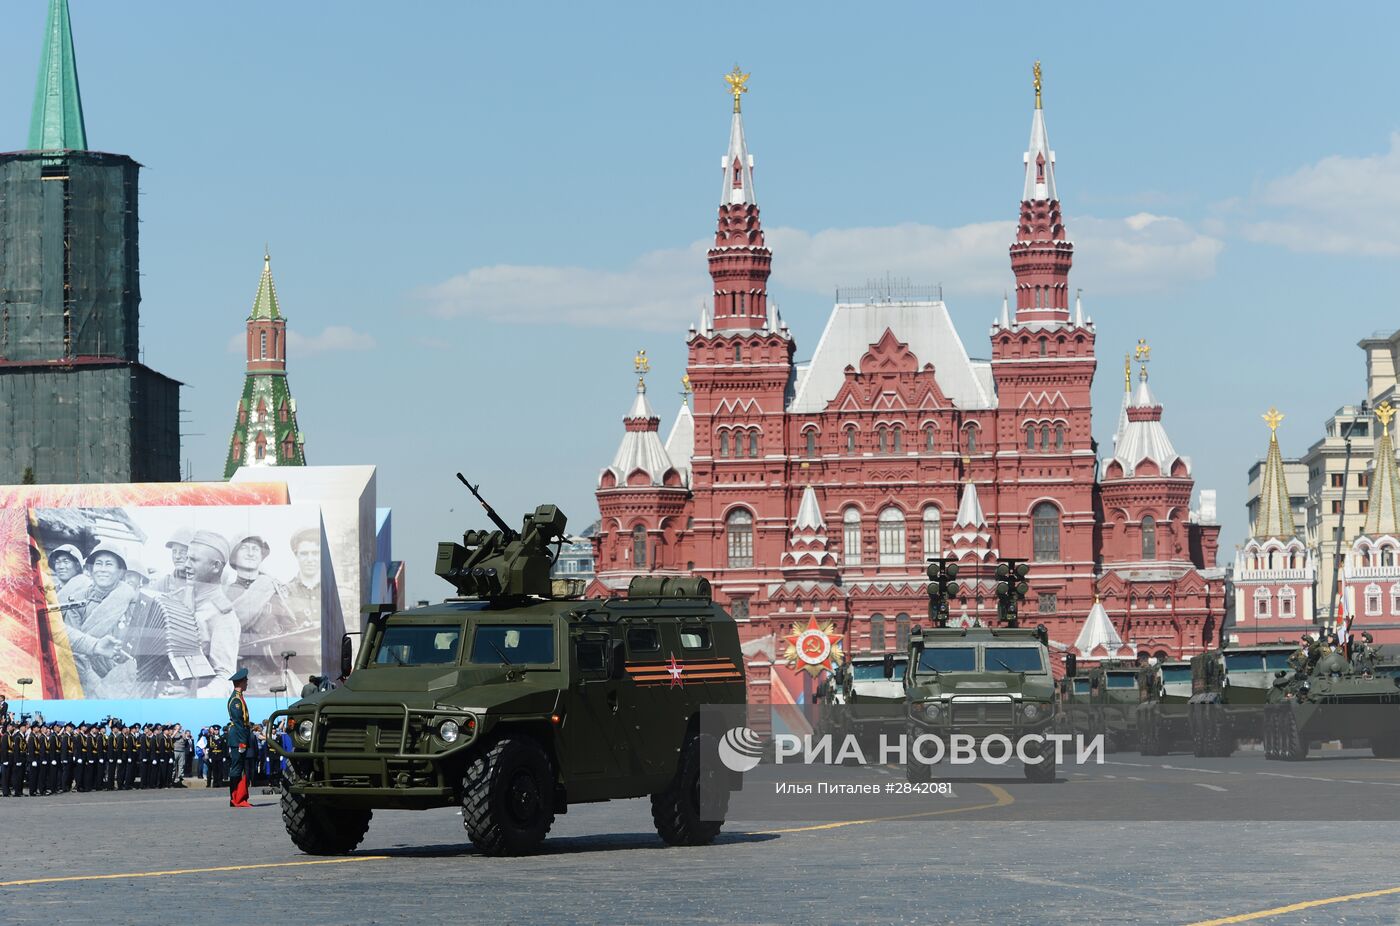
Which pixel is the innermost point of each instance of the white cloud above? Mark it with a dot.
(331, 338)
(665, 288)
(1338, 205)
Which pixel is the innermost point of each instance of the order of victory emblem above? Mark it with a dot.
(814, 647)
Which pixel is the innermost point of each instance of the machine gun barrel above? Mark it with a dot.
(501, 525)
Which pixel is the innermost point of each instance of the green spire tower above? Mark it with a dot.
(57, 121)
(265, 432)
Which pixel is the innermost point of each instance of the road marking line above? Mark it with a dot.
(1133, 764)
(1202, 784)
(1182, 768)
(197, 871)
(1295, 907)
(1003, 799)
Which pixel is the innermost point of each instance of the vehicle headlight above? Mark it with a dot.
(932, 710)
(449, 731)
(304, 731)
(1031, 710)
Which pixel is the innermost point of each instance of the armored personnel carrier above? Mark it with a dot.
(515, 700)
(1229, 688)
(1332, 699)
(1163, 718)
(1113, 700)
(1073, 715)
(980, 681)
(860, 699)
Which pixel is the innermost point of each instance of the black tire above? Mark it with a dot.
(1271, 735)
(508, 797)
(1045, 770)
(676, 811)
(320, 830)
(1291, 746)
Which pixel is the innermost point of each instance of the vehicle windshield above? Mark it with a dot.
(874, 671)
(1012, 659)
(1276, 661)
(948, 659)
(1081, 686)
(515, 644)
(1122, 680)
(418, 645)
(1243, 662)
(1176, 674)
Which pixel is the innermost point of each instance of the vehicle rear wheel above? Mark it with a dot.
(676, 811)
(508, 797)
(1150, 739)
(1386, 747)
(1288, 741)
(1045, 770)
(320, 830)
(1271, 735)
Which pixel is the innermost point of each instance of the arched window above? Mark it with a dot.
(753, 443)
(891, 527)
(1030, 438)
(933, 531)
(811, 443)
(929, 442)
(1149, 538)
(724, 443)
(1373, 599)
(1262, 600)
(1395, 599)
(738, 528)
(850, 537)
(639, 546)
(883, 435)
(738, 353)
(877, 633)
(1044, 437)
(1045, 533)
(1059, 437)
(1043, 345)
(1387, 556)
(901, 632)
(971, 440)
(1286, 598)
(898, 439)
(851, 440)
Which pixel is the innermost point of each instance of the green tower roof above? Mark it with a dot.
(265, 303)
(57, 121)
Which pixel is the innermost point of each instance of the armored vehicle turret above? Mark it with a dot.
(1163, 718)
(1331, 697)
(980, 681)
(514, 700)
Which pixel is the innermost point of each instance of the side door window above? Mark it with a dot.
(590, 734)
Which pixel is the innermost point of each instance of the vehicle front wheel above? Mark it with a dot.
(676, 811)
(508, 797)
(1044, 771)
(320, 830)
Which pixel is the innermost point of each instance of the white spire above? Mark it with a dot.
(970, 509)
(808, 514)
(641, 408)
(1040, 162)
(1098, 631)
(641, 446)
(1141, 436)
(737, 166)
(680, 444)
(1078, 311)
(1005, 312)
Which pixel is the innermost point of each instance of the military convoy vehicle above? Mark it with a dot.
(979, 681)
(1113, 702)
(1229, 688)
(516, 700)
(859, 699)
(1163, 719)
(1333, 698)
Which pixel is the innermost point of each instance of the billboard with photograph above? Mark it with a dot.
(168, 602)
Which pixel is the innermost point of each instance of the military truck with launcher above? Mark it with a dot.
(1333, 698)
(979, 681)
(1229, 688)
(515, 700)
(1163, 720)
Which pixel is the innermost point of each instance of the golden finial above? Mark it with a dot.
(1127, 372)
(640, 363)
(736, 80)
(1385, 412)
(1036, 70)
(685, 389)
(1272, 417)
(1143, 350)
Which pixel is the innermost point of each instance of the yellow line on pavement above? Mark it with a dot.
(1295, 907)
(1003, 798)
(195, 871)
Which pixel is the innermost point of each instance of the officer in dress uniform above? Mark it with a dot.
(214, 755)
(4, 757)
(240, 739)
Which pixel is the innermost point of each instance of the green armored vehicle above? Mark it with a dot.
(1113, 700)
(515, 701)
(1163, 715)
(860, 699)
(980, 681)
(1229, 688)
(1333, 699)
(1074, 713)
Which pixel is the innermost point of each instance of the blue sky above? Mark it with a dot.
(477, 213)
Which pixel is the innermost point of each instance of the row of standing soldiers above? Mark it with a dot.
(37, 759)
